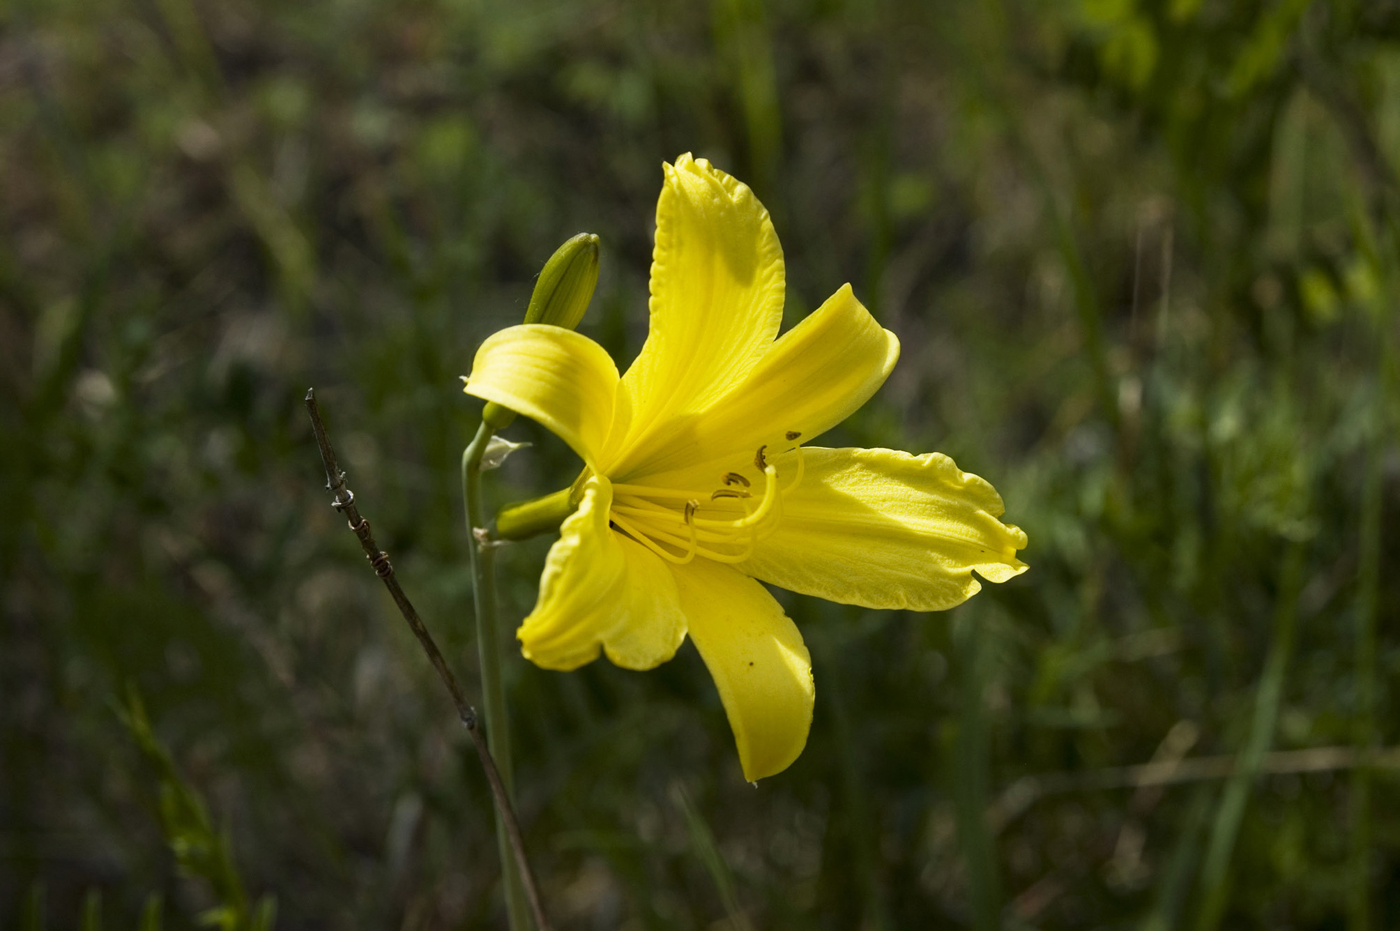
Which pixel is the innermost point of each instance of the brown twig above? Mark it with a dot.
(1024, 792)
(344, 501)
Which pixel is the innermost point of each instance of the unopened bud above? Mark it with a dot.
(561, 296)
(566, 284)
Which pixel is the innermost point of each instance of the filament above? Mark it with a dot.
(669, 521)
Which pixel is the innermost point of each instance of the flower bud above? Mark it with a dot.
(566, 284)
(561, 296)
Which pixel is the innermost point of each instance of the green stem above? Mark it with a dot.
(1368, 595)
(972, 772)
(860, 823)
(488, 644)
(1215, 874)
(1359, 905)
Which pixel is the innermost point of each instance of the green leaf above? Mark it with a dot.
(1259, 57)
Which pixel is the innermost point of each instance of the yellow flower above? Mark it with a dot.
(697, 486)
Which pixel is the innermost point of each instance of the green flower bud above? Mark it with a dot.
(566, 284)
(525, 519)
(561, 296)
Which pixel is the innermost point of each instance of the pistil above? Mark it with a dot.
(678, 535)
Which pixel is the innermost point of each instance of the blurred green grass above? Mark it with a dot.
(1142, 258)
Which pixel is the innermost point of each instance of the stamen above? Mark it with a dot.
(792, 434)
(801, 469)
(651, 491)
(717, 556)
(653, 511)
(706, 531)
(740, 556)
(640, 506)
(649, 514)
(649, 543)
(692, 545)
(771, 499)
(650, 537)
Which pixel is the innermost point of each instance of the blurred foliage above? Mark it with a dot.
(1142, 257)
(200, 850)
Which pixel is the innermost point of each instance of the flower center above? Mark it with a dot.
(721, 524)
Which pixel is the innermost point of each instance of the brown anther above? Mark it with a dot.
(734, 478)
(729, 493)
(792, 434)
(691, 507)
(759, 462)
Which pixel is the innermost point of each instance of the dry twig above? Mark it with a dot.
(1027, 790)
(344, 501)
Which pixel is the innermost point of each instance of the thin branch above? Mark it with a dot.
(344, 501)
(1026, 791)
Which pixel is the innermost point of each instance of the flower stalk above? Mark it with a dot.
(560, 298)
(488, 644)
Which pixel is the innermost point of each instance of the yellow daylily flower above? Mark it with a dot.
(698, 486)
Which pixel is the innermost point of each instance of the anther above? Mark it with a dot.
(759, 462)
(690, 508)
(729, 493)
(792, 434)
(734, 478)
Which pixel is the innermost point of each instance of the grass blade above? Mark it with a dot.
(1215, 873)
(970, 777)
(702, 841)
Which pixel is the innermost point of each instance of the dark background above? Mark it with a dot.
(1143, 261)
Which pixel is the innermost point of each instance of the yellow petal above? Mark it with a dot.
(757, 659)
(884, 529)
(716, 297)
(602, 589)
(559, 378)
(811, 379)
